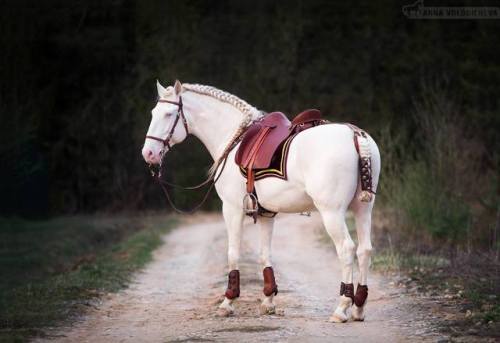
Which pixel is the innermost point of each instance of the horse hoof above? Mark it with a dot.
(223, 312)
(358, 314)
(267, 309)
(338, 318)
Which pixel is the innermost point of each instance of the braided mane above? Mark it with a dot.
(248, 110)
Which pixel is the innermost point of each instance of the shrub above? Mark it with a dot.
(436, 178)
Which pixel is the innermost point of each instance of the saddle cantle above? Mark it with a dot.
(306, 119)
(264, 140)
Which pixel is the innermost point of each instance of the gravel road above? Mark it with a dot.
(174, 299)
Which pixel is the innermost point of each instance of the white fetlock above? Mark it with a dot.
(358, 313)
(225, 309)
(267, 306)
(340, 314)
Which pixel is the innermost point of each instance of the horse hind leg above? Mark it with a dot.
(334, 221)
(362, 214)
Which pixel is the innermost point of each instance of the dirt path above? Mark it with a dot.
(174, 299)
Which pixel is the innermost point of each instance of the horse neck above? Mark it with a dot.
(212, 121)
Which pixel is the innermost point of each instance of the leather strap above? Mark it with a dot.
(248, 163)
(179, 115)
(258, 143)
(250, 177)
(210, 181)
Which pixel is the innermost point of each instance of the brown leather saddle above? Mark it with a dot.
(264, 136)
(261, 142)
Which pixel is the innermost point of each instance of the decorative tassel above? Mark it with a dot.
(365, 196)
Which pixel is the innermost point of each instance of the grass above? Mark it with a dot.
(451, 274)
(468, 283)
(53, 270)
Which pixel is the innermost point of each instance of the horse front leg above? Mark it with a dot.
(270, 287)
(233, 216)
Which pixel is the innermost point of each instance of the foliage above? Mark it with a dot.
(430, 207)
(71, 261)
(440, 186)
(78, 83)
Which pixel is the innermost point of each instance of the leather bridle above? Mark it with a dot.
(157, 175)
(178, 115)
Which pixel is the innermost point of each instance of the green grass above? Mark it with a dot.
(389, 261)
(53, 270)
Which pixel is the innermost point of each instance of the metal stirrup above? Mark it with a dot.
(253, 200)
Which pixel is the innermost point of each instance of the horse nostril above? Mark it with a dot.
(147, 154)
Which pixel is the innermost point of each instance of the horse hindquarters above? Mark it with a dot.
(332, 181)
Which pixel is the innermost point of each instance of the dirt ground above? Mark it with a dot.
(175, 298)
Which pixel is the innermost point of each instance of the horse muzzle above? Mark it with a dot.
(150, 156)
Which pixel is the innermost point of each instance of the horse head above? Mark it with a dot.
(168, 125)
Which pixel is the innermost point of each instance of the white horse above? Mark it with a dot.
(322, 175)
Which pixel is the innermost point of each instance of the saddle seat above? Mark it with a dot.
(263, 137)
(261, 140)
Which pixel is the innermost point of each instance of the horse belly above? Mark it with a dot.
(287, 196)
(281, 196)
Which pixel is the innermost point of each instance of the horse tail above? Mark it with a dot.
(363, 147)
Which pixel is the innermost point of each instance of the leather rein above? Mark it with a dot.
(212, 178)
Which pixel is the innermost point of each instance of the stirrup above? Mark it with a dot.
(250, 197)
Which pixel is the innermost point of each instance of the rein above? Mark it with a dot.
(212, 178)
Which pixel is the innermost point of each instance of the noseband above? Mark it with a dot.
(179, 114)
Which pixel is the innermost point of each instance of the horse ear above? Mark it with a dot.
(177, 87)
(161, 90)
